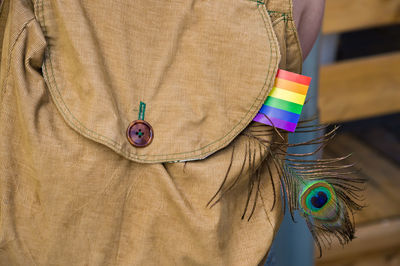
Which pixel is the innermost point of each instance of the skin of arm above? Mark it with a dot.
(307, 15)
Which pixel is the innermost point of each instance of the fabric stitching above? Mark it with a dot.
(296, 36)
(9, 54)
(137, 156)
(275, 22)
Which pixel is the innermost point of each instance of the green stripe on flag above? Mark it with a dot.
(284, 105)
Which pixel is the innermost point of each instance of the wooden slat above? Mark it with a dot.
(382, 140)
(382, 196)
(345, 15)
(376, 244)
(360, 88)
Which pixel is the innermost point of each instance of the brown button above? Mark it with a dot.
(139, 133)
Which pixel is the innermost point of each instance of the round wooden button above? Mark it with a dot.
(139, 133)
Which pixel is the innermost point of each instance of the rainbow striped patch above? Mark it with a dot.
(285, 101)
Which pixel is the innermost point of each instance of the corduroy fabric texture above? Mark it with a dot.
(73, 190)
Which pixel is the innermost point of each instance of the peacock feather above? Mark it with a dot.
(323, 190)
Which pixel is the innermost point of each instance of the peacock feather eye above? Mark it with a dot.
(318, 199)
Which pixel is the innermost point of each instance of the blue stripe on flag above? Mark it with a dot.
(280, 114)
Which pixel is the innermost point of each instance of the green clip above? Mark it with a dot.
(142, 109)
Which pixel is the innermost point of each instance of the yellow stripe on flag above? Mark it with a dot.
(287, 95)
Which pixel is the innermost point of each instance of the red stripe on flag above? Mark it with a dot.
(293, 77)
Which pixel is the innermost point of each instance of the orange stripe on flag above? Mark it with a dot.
(291, 86)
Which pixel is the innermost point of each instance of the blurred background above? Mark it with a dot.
(355, 66)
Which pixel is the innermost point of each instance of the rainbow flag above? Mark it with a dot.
(284, 103)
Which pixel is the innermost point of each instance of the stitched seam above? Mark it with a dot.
(9, 54)
(300, 52)
(279, 14)
(36, 12)
(137, 156)
(296, 35)
(276, 21)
